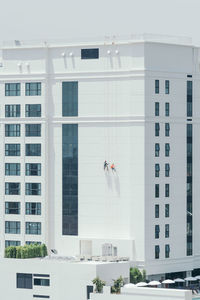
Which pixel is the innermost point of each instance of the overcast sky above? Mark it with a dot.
(60, 19)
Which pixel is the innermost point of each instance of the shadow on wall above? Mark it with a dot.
(113, 183)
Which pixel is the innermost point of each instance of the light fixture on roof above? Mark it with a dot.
(27, 64)
(71, 54)
(108, 52)
(63, 54)
(116, 51)
(19, 64)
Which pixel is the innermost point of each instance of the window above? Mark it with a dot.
(157, 170)
(33, 89)
(33, 189)
(167, 109)
(70, 179)
(166, 210)
(167, 169)
(157, 150)
(33, 169)
(12, 111)
(12, 243)
(12, 188)
(12, 227)
(70, 99)
(166, 86)
(189, 98)
(167, 251)
(41, 282)
(32, 243)
(12, 129)
(41, 296)
(157, 129)
(156, 109)
(12, 89)
(24, 281)
(33, 208)
(156, 211)
(166, 230)
(90, 53)
(12, 208)
(157, 251)
(33, 149)
(189, 248)
(33, 129)
(12, 149)
(33, 110)
(167, 129)
(156, 86)
(157, 231)
(167, 190)
(12, 169)
(157, 190)
(33, 228)
(167, 149)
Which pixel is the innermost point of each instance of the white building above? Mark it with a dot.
(68, 107)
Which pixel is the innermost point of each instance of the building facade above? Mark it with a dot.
(68, 108)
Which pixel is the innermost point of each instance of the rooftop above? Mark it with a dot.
(106, 40)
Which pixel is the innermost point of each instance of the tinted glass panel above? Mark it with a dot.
(24, 281)
(33, 228)
(12, 208)
(70, 98)
(33, 169)
(33, 129)
(12, 89)
(12, 149)
(12, 130)
(33, 110)
(12, 111)
(33, 149)
(70, 179)
(12, 188)
(12, 227)
(33, 89)
(90, 53)
(12, 169)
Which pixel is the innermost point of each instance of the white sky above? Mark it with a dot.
(49, 19)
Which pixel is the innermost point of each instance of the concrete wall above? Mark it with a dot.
(144, 294)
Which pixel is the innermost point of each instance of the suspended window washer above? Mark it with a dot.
(105, 165)
(113, 167)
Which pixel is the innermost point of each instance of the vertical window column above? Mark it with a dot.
(189, 190)
(70, 179)
(189, 98)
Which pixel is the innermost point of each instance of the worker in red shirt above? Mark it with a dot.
(113, 167)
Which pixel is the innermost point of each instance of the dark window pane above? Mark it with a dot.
(33, 149)
(70, 179)
(12, 227)
(12, 169)
(33, 169)
(70, 98)
(12, 149)
(33, 110)
(33, 129)
(33, 228)
(33, 189)
(90, 53)
(12, 130)
(33, 89)
(12, 89)
(12, 208)
(12, 111)
(12, 188)
(24, 281)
